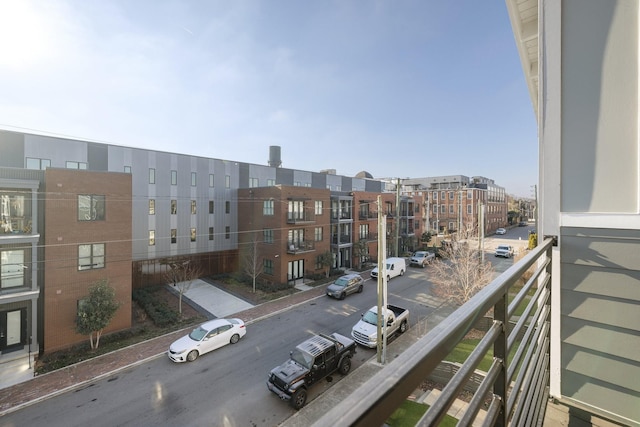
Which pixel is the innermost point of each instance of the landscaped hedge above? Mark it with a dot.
(155, 307)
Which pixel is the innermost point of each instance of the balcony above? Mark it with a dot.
(341, 239)
(300, 217)
(515, 388)
(295, 247)
(368, 237)
(367, 215)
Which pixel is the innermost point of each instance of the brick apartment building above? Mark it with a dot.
(290, 228)
(87, 218)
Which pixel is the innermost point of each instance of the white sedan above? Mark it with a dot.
(205, 338)
(501, 231)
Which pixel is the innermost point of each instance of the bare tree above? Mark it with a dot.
(326, 260)
(360, 250)
(253, 264)
(181, 274)
(460, 273)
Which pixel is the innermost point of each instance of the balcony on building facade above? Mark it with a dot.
(368, 237)
(341, 239)
(16, 207)
(296, 247)
(514, 390)
(367, 215)
(300, 217)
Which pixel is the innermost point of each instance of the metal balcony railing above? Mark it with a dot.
(295, 247)
(300, 217)
(516, 385)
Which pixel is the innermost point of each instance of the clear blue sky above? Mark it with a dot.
(397, 88)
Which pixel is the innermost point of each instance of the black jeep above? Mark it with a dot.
(308, 363)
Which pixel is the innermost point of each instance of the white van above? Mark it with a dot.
(395, 267)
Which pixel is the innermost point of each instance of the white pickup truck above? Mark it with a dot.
(505, 251)
(365, 332)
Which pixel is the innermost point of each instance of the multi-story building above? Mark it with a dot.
(290, 229)
(76, 211)
(87, 224)
(20, 277)
(454, 202)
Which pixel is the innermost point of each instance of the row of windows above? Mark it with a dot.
(174, 207)
(193, 234)
(452, 209)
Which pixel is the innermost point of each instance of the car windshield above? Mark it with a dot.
(302, 358)
(506, 248)
(370, 317)
(198, 333)
(341, 282)
(420, 254)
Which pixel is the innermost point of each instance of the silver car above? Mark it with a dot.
(345, 285)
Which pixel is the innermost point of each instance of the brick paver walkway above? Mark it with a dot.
(56, 382)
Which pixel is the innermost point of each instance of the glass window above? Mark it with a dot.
(194, 179)
(152, 237)
(152, 206)
(435, 208)
(210, 233)
(443, 209)
(127, 169)
(193, 234)
(443, 195)
(174, 177)
(451, 195)
(268, 266)
(267, 207)
(253, 182)
(35, 163)
(211, 206)
(210, 180)
(318, 207)
(12, 268)
(193, 207)
(271, 182)
(227, 181)
(227, 207)
(469, 209)
(451, 209)
(469, 194)
(91, 256)
(267, 235)
(318, 234)
(91, 207)
(174, 235)
(76, 165)
(227, 232)
(174, 207)
(152, 176)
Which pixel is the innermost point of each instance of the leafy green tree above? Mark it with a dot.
(96, 311)
(426, 237)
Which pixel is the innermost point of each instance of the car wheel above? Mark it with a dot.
(193, 355)
(388, 278)
(299, 398)
(402, 272)
(360, 289)
(403, 327)
(345, 366)
(342, 295)
(234, 338)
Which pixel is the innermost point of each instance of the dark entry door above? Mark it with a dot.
(12, 329)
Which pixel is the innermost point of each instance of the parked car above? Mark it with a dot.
(311, 361)
(422, 258)
(205, 338)
(501, 231)
(522, 224)
(395, 267)
(505, 251)
(345, 285)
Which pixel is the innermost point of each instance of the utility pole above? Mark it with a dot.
(382, 281)
(397, 221)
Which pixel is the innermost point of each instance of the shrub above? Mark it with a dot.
(158, 310)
